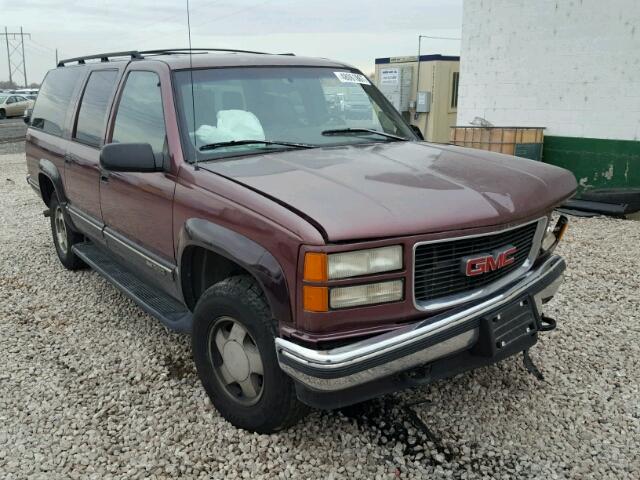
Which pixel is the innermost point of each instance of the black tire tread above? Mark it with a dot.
(72, 262)
(252, 294)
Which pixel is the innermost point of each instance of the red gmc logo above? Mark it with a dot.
(473, 266)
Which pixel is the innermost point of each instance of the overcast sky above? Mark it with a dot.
(355, 31)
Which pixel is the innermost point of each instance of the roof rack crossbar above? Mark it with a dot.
(104, 57)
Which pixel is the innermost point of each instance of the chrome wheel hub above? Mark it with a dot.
(61, 229)
(236, 360)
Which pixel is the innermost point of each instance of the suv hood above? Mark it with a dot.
(401, 188)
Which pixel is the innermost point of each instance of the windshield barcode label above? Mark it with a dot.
(348, 77)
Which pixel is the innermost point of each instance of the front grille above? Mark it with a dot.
(438, 271)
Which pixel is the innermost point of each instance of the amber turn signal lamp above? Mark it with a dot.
(315, 267)
(315, 299)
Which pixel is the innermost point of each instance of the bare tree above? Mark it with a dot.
(5, 84)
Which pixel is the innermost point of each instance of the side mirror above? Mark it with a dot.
(27, 116)
(417, 131)
(128, 157)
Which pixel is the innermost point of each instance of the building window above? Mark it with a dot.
(454, 89)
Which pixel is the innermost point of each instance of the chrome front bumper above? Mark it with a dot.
(411, 346)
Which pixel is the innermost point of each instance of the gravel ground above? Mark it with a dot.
(91, 387)
(11, 147)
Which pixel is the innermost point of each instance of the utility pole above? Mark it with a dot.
(6, 36)
(15, 53)
(420, 37)
(24, 63)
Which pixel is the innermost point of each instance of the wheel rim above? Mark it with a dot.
(236, 360)
(61, 229)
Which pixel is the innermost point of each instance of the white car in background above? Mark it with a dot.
(13, 105)
(26, 91)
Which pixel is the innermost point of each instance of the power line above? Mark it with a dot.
(48, 56)
(138, 30)
(15, 47)
(216, 18)
(438, 38)
(43, 46)
(242, 10)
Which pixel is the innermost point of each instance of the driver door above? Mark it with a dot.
(137, 207)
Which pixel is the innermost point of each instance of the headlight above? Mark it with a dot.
(321, 267)
(364, 262)
(555, 231)
(369, 294)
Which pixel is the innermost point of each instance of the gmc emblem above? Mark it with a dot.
(477, 265)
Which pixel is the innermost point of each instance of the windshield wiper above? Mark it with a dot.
(232, 143)
(360, 131)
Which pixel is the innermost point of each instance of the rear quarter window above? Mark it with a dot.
(92, 117)
(54, 99)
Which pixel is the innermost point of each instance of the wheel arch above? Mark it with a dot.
(209, 253)
(50, 180)
(46, 187)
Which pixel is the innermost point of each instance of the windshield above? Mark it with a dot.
(310, 106)
(3, 98)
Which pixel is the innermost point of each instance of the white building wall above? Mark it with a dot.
(572, 66)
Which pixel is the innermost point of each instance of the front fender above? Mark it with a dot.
(251, 256)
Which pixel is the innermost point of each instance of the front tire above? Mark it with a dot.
(233, 349)
(63, 237)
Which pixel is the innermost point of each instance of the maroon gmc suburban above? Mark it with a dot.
(317, 258)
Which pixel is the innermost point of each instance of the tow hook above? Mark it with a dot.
(546, 323)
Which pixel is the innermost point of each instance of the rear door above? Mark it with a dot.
(137, 208)
(82, 159)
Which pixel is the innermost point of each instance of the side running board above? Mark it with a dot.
(152, 300)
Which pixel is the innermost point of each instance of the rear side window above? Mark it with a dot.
(53, 101)
(92, 117)
(140, 117)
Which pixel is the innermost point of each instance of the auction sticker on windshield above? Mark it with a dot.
(348, 77)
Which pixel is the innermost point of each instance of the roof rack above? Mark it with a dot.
(169, 51)
(138, 55)
(104, 57)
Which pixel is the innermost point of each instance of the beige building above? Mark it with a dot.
(431, 105)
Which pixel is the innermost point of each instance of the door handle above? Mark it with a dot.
(71, 158)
